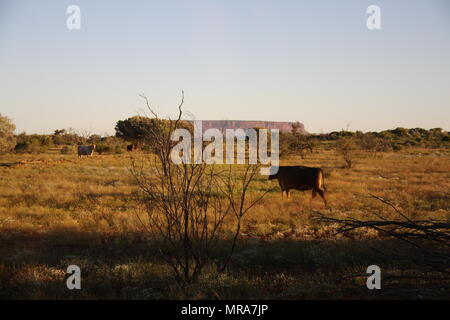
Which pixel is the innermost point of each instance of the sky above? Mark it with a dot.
(288, 60)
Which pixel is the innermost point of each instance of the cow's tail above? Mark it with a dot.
(321, 180)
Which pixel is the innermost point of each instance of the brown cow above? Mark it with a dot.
(301, 178)
(129, 147)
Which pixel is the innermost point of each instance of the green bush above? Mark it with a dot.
(66, 150)
(32, 143)
(103, 148)
(108, 148)
(66, 137)
(7, 139)
(346, 148)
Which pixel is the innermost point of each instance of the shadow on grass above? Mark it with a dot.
(128, 266)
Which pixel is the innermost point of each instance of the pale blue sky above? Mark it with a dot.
(311, 61)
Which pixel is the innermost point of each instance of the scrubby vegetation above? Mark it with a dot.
(66, 141)
(374, 142)
(57, 210)
(131, 131)
(7, 140)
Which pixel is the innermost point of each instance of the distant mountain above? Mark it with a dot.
(247, 124)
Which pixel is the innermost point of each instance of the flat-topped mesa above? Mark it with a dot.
(248, 124)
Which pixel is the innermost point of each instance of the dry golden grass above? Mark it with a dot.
(57, 210)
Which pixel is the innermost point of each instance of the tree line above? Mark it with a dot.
(138, 130)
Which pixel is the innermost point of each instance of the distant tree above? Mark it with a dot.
(60, 132)
(295, 142)
(34, 143)
(94, 138)
(66, 150)
(372, 144)
(346, 148)
(7, 139)
(359, 134)
(135, 129)
(109, 144)
(296, 127)
(436, 130)
(66, 137)
(401, 132)
(140, 130)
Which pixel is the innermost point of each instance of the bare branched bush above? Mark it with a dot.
(187, 204)
(346, 148)
(373, 145)
(426, 242)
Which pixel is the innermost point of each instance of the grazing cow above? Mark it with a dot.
(301, 178)
(86, 150)
(129, 147)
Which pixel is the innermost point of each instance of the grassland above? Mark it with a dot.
(57, 210)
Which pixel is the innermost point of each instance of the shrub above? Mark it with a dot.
(66, 137)
(372, 144)
(185, 213)
(396, 147)
(346, 148)
(108, 148)
(32, 143)
(102, 148)
(7, 139)
(66, 150)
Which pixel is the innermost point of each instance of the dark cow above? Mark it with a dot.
(129, 147)
(301, 178)
(86, 150)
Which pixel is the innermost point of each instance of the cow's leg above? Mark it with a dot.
(288, 193)
(313, 195)
(282, 188)
(322, 194)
